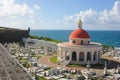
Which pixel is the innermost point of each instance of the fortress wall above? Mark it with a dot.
(13, 35)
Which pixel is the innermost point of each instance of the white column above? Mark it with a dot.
(77, 56)
(85, 56)
(92, 53)
(64, 54)
(59, 52)
(70, 56)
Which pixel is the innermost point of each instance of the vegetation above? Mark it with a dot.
(74, 65)
(33, 55)
(39, 78)
(26, 64)
(47, 69)
(54, 59)
(39, 56)
(79, 65)
(22, 58)
(46, 39)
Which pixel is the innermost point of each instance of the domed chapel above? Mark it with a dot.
(79, 49)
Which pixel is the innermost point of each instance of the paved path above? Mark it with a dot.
(46, 61)
(110, 58)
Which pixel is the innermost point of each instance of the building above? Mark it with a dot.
(10, 69)
(79, 49)
(12, 34)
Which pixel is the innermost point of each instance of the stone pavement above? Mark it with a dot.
(46, 61)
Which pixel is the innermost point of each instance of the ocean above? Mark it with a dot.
(111, 38)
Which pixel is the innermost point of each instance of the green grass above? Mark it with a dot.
(46, 39)
(47, 69)
(80, 65)
(22, 58)
(26, 64)
(74, 65)
(39, 57)
(33, 55)
(53, 59)
(40, 78)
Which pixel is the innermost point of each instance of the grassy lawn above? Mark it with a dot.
(47, 69)
(80, 65)
(53, 59)
(75, 65)
(40, 78)
(45, 39)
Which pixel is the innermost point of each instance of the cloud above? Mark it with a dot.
(21, 15)
(10, 8)
(98, 20)
(17, 15)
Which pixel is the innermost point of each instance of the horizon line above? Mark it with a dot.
(74, 29)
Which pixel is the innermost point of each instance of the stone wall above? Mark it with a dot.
(13, 35)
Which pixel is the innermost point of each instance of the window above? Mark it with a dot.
(81, 56)
(88, 42)
(81, 41)
(95, 56)
(88, 56)
(73, 41)
(74, 56)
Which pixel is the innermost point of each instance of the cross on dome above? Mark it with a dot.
(79, 23)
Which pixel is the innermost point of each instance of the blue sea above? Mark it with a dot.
(111, 38)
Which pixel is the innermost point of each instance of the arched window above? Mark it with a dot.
(88, 42)
(81, 56)
(88, 56)
(73, 41)
(74, 56)
(81, 41)
(95, 56)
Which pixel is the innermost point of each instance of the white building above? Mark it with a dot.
(79, 49)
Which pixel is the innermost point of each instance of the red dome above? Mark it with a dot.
(79, 33)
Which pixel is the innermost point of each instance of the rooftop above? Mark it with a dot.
(10, 69)
(79, 33)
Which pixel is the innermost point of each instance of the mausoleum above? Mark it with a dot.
(79, 49)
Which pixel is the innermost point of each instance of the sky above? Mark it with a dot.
(60, 14)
